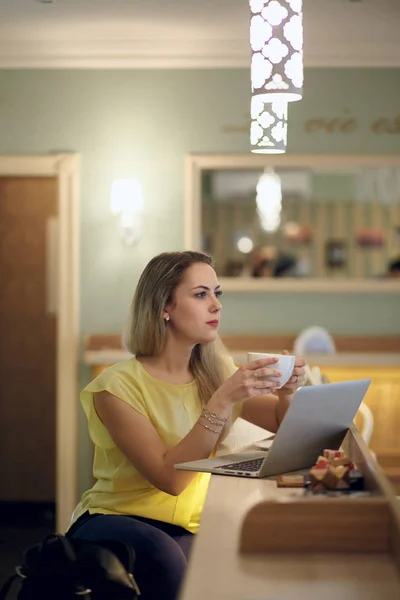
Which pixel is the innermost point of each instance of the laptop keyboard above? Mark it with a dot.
(246, 465)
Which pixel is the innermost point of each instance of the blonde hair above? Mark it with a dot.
(147, 331)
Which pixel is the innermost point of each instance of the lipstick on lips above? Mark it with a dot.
(213, 323)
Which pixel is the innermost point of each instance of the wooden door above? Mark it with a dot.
(28, 210)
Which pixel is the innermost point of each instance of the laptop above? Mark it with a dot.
(317, 418)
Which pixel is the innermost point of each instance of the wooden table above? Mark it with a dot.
(218, 571)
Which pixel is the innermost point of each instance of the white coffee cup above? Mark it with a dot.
(285, 365)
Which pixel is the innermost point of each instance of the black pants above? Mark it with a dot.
(162, 550)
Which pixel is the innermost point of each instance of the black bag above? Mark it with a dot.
(64, 569)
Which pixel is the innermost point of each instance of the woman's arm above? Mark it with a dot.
(262, 411)
(266, 411)
(139, 441)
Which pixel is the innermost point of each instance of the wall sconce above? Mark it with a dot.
(268, 130)
(127, 203)
(276, 41)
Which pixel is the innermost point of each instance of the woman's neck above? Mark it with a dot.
(172, 365)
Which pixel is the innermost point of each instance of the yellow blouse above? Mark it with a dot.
(173, 411)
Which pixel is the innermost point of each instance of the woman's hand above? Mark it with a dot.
(297, 378)
(248, 381)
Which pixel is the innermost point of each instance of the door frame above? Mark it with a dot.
(65, 167)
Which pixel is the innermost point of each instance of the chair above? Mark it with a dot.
(368, 422)
(314, 340)
(314, 376)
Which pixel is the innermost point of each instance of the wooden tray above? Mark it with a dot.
(329, 524)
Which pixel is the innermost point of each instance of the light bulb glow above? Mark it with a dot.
(245, 245)
(269, 201)
(127, 203)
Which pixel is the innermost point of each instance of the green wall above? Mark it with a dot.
(142, 124)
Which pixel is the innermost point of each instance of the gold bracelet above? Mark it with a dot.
(209, 428)
(214, 415)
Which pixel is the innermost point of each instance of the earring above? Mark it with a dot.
(167, 318)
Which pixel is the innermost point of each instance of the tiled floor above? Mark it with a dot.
(21, 526)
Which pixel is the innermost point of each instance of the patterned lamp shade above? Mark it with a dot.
(268, 130)
(276, 40)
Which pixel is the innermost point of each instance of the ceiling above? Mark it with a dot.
(186, 33)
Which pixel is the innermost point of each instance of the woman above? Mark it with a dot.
(172, 402)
